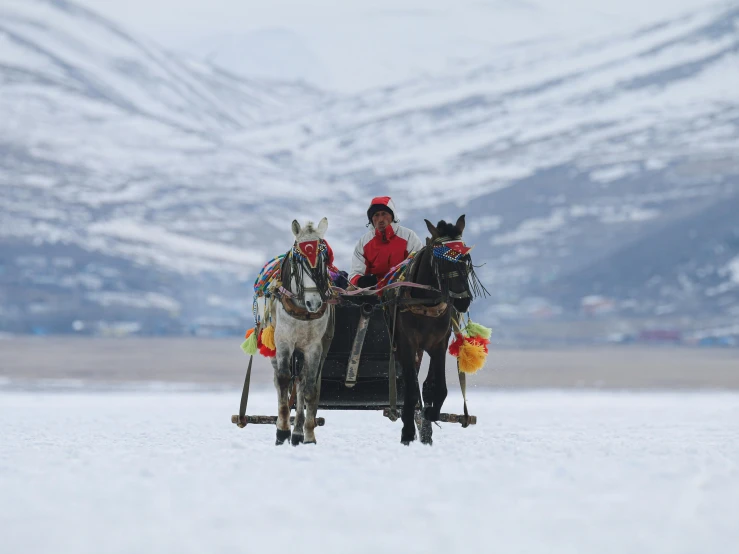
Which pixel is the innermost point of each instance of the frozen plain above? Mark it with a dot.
(163, 470)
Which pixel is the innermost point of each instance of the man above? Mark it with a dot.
(382, 248)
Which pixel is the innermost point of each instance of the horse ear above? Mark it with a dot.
(322, 226)
(460, 224)
(432, 229)
(296, 228)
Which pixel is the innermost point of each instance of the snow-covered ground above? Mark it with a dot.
(165, 471)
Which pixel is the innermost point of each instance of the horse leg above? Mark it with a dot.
(437, 368)
(407, 358)
(427, 392)
(311, 369)
(297, 437)
(425, 431)
(282, 384)
(428, 382)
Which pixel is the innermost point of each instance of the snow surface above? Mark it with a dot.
(164, 470)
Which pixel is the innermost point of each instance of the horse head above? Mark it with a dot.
(309, 279)
(451, 262)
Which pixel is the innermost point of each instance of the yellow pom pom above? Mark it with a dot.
(268, 337)
(471, 357)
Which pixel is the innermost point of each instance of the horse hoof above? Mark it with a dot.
(407, 439)
(282, 436)
(310, 442)
(296, 439)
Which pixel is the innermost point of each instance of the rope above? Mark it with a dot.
(463, 386)
(393, 385)
(245, 395)
(462, 376)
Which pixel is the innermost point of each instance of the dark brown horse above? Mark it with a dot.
(423, 319)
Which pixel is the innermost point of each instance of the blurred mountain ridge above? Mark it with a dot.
(142, 186)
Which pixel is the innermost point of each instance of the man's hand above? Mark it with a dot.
(366, 281)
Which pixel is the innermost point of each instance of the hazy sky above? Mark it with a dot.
(350, 45)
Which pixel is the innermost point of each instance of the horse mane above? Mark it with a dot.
(448, 229)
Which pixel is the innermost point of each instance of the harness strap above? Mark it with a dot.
(408, 301)
(453, 294)
(427, 311)
(300, 313)
(373, 290)
(463, 386)
(284, 292)
(393, 385)
(245, 395)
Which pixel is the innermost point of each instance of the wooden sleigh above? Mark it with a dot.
(359, 369)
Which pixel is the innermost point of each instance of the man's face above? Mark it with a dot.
(381, 220)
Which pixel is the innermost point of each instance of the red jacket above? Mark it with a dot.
(376, 255)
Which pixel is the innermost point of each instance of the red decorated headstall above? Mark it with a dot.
(451, 250)
(310, 250)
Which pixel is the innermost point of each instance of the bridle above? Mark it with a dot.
(306, 257)
(451, 249)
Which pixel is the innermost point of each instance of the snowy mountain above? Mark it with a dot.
(355, 46)
(141, 186)
(610, 169)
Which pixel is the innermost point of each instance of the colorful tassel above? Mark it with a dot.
(264, 350)
(454, 347)
(472, 355)
(249, 346)
(268, 337)
(477, 330)
(479, 341)
(470, 347)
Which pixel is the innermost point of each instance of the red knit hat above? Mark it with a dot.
(381, 204)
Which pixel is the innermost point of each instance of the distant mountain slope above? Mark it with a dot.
(558, 157)
(110, 139)
(67, 51)
(137, 182)
(681, 266)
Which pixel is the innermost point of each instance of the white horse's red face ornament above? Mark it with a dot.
(309, 249)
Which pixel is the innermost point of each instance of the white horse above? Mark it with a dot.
(304, 323)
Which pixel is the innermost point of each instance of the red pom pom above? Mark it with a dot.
(454, 347)
(266, 352)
